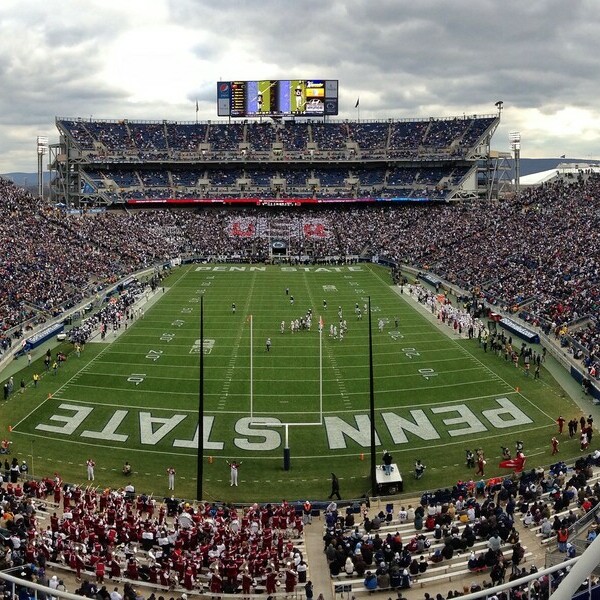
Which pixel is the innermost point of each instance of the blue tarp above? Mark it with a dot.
(39, 338)
(593, 390)
(430, 279)
(523, 332)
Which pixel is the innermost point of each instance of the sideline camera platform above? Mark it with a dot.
(389, 484)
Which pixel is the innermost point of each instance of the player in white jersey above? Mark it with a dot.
(282, 326)
(298, 96)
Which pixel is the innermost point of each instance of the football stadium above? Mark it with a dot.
(226, 342)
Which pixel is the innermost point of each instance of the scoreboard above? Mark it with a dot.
(277, 97)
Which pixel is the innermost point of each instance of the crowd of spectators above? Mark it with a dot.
(116, 155)
(330, 136)
(261, 136)
(477, 522)
(45, 265)
(536, 255)
(230, 182)
(449, 137)
(132, 538)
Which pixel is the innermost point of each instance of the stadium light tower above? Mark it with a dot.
(42, 148)
(515, 146)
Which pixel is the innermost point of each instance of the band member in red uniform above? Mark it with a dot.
(79, 564)
(132, 569)
(57, 492)
(115, 567)
(246, 581)
(271, 581)
(216, 582)
(188, 579)
(291, 578)
(100, 570)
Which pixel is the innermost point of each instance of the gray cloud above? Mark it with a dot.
(401, 57)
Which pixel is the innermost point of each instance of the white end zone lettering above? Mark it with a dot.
(71, 422)
(338, 430)
(250, 427)
(513, 415)
(151, 436)
(466, 416)
(257, 434)
(207, 445)
(108, 433)
(420, 426)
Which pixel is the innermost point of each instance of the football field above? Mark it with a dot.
(135, 397)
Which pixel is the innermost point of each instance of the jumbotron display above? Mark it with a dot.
(279, 97)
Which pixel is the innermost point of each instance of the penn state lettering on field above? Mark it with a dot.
(285, 269)
(254, 434)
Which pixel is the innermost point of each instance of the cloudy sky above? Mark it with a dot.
(151, 59)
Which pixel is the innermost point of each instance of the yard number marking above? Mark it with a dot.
(136, 378)
(154, 355)
(427, 373)
(410, 352)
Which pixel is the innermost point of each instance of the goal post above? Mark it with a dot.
(286, 426)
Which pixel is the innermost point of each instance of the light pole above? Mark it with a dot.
(515, 146)
(42, 148)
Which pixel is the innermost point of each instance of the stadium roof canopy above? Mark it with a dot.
(568, 170)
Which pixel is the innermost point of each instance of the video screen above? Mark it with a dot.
(277, 97)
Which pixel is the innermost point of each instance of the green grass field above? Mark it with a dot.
(136, 398)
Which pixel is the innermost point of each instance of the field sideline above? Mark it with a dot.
(136, 397)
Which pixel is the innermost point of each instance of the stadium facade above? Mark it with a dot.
(101, 163)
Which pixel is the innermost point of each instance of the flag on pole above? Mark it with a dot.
(517, 463)
(196, 105)
(357, 102)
